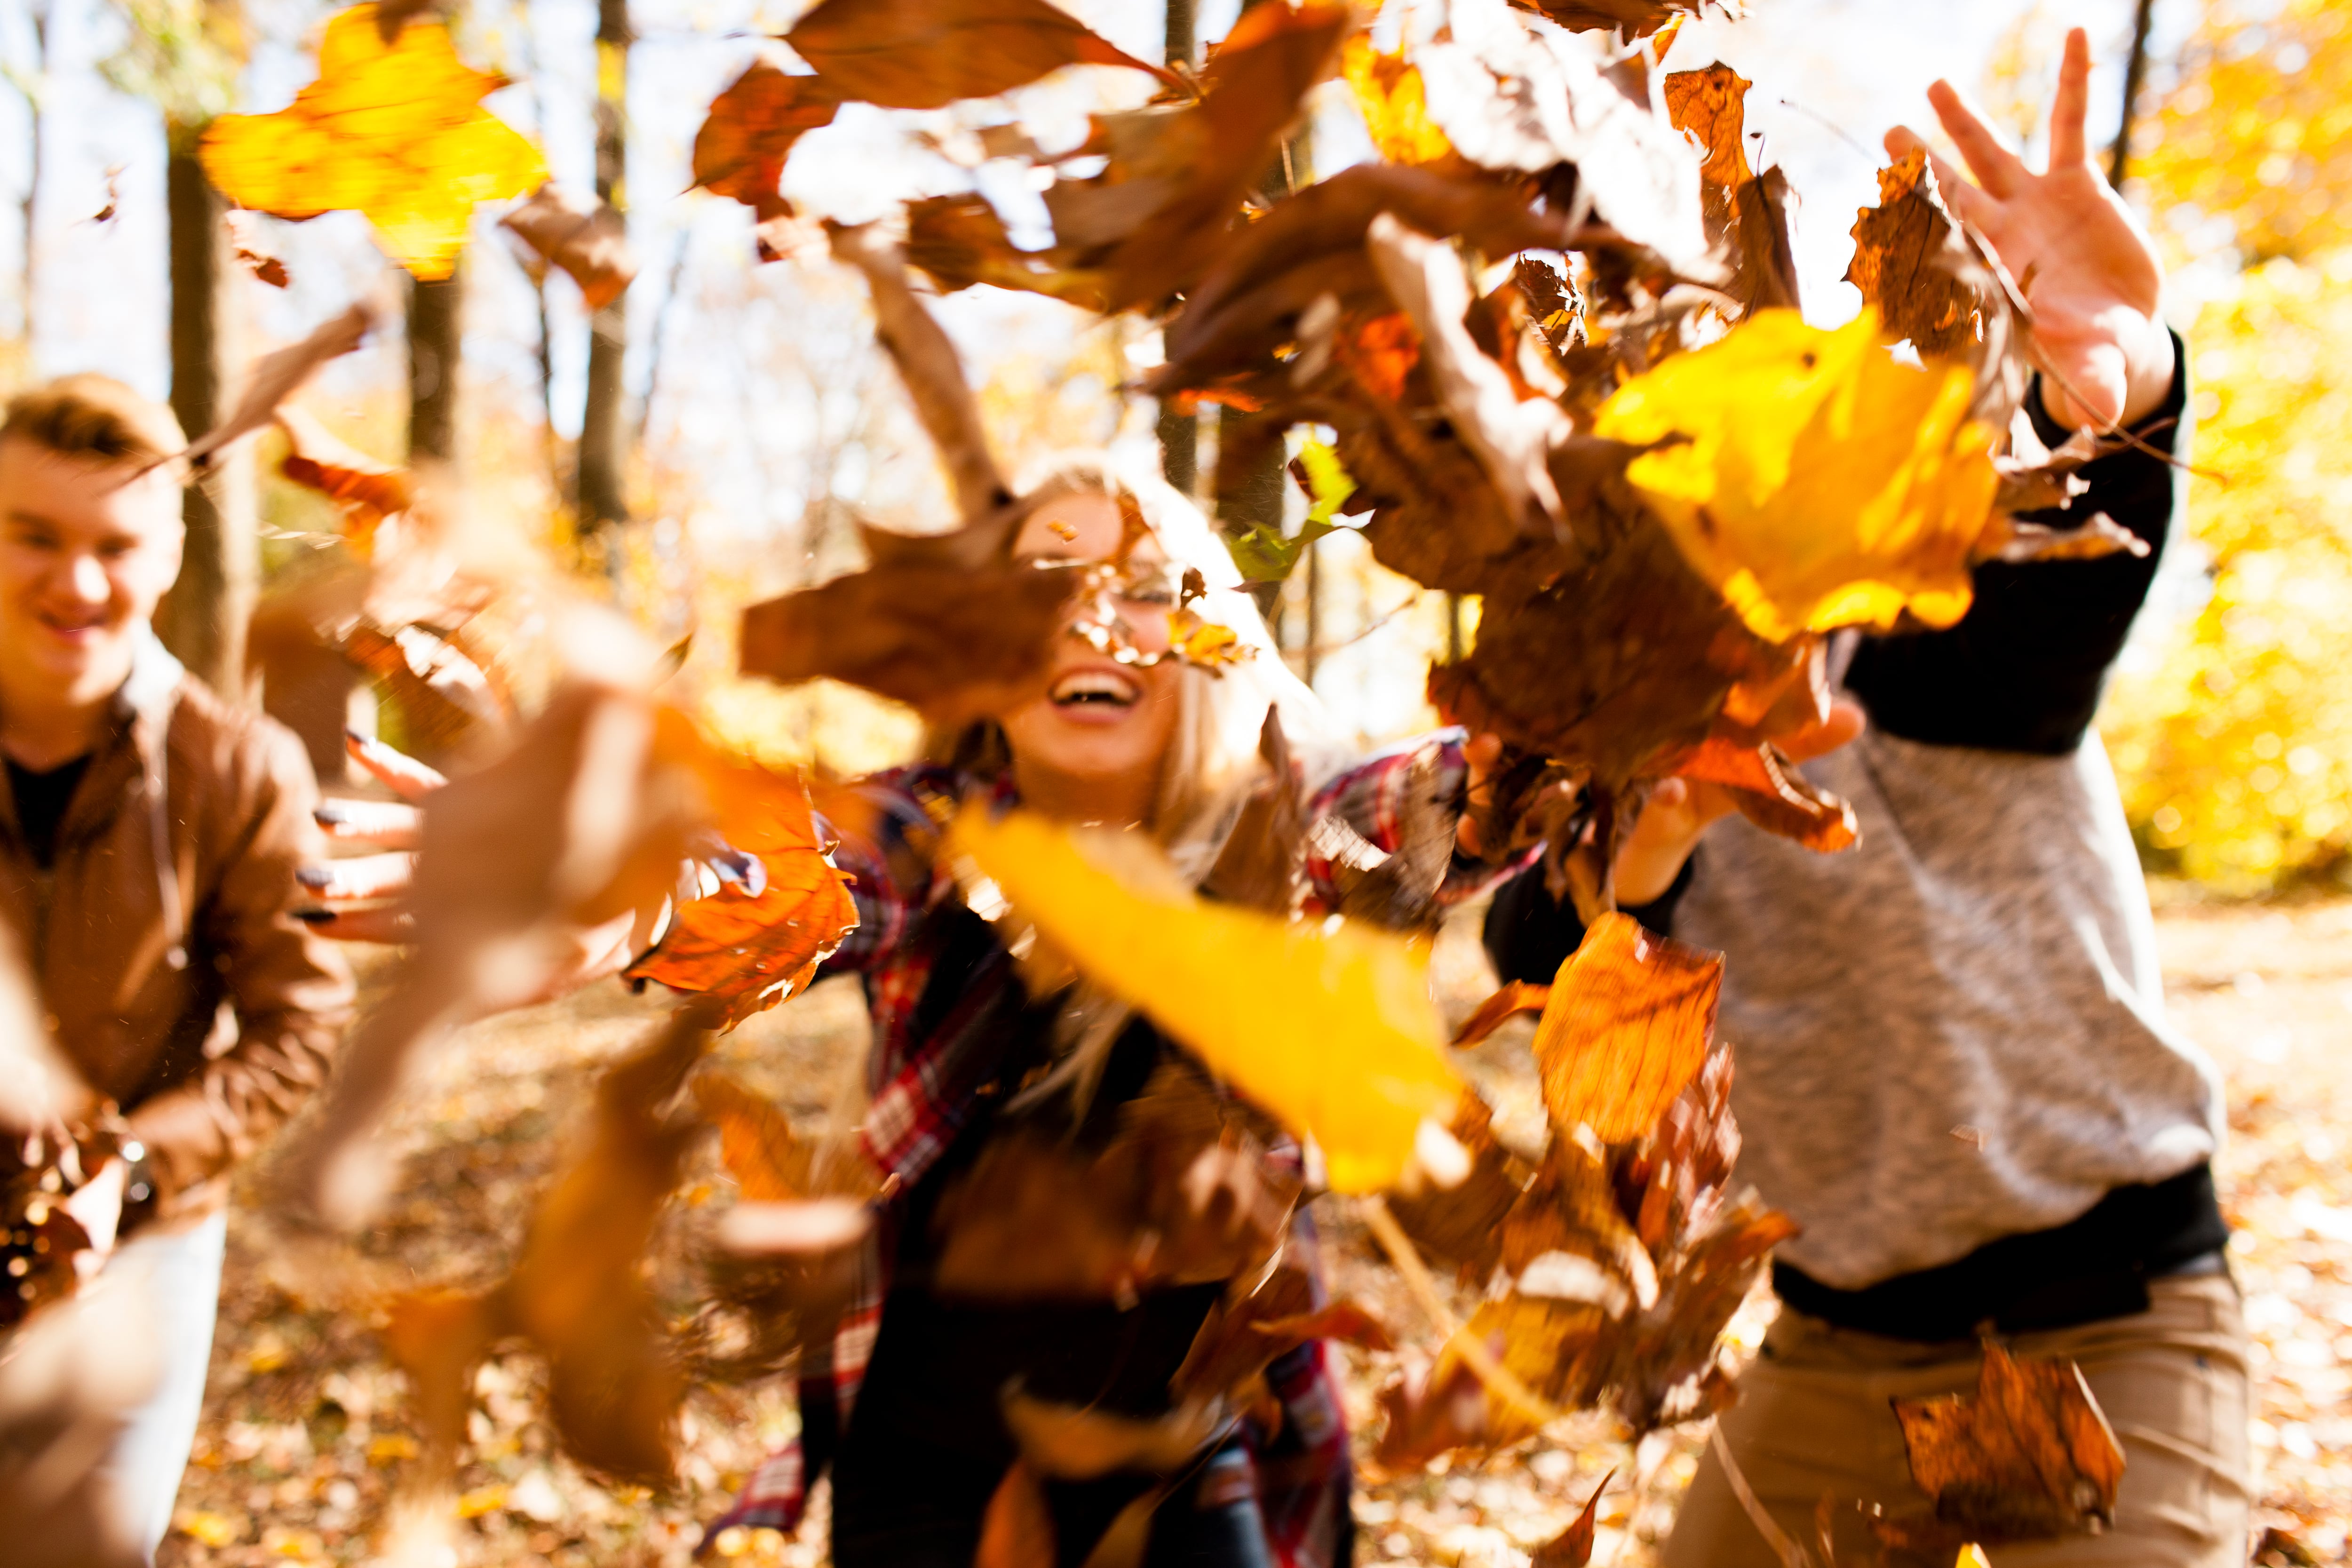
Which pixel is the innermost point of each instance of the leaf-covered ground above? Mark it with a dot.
(306, 1440)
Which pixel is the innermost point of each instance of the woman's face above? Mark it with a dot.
(1101, 724)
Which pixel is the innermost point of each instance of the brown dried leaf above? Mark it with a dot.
(1572, 1547)
(1461, 1225)
(1230, 1349)
(2028, 1455)
(1771, 792)
(918, 633)
(925, 54)
(1074, 1443)
(1710, 105)
(1261, 865)
(1627, 1030)
(959, 241)
(1907, 260)
(585, 237)
(741, 149)
(275, 377)
(1515, 998)
(1017, 1531)
(368, 490)
(1571, 1208)
(1253, 87)
(1634, 18)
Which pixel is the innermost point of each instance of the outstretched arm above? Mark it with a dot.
(2085, 266)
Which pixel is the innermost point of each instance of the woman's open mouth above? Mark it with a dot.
(1095, 690)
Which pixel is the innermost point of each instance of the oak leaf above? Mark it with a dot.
(925, 54)
(1906, 253)
(1819, 483)
(1272, 1007)
(394, 129)
(1710, 105)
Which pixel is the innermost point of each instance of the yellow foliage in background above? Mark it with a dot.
(2235, 750)
(2234, 743)
(2258, 133)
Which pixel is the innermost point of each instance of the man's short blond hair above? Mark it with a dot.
(95, 419)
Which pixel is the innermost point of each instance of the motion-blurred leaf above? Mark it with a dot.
(1272, 1006)
(585, 237)
(748, 132)
(1626, 1028)
(925, 54)
(394, 129)
(1390, 97)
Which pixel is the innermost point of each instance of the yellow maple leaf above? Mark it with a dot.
(394, 131)
(1823, 483)
(1331, 1030)
(1390, 97)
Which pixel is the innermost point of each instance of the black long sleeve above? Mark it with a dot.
(2023, 669)
(1529, 934)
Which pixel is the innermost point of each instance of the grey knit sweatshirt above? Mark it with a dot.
(1954, 1032)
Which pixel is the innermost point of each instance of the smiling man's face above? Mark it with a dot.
(86, 553)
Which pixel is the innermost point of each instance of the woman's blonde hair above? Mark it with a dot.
(1214, 757)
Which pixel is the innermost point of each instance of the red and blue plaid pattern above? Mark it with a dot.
(923, 1092)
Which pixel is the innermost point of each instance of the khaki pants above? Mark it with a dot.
(1813, 1420)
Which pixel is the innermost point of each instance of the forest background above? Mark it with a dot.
(738, 415)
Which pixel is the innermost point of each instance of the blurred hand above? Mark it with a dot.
(2080, 258)
(97, 1206)
(1680, 811)
(363, 898)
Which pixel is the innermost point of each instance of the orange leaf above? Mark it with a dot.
(368, 492)
(751, 952)
(741, 149)
(754, 1140)
(1515, 998)
(961, 241)
(2028, 1454)
(1343, 1321)
(925, 54)
(1710, 105)
(1017, 1531)
(1572, 1547)
(1627, 1028)
(391, 128)
(1394, 103)
(1770, 793)
(585, 237)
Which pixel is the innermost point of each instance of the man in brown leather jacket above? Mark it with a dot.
(149, 833)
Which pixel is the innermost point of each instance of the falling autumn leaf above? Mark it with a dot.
(1626, 1028)
(1017, 1529)
(959, 241)
(915, 632)
(1770, 791)
(368, 490)
(395, 130)
(1517, 997)
(1904, 260)
(1263, 1002)
(1390, 97)
(2028, 1455)
(1709, 106)
(750, 130)
(749, 949)
(1572, 1547)
(1634, 18)
(1821, 483)
(276, 376)
(588, 238)
(925, 54)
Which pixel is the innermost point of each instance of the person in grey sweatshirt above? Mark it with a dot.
(1954, 1066)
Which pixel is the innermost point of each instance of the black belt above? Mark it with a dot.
(2089, 1268)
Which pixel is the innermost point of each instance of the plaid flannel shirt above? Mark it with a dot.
(924, 1089)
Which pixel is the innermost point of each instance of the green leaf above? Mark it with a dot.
(1265, 555)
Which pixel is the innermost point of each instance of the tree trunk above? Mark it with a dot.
(1179, 432)
(436, 314)
(1251, 494)
(602, 500)
(203, 620)
(2135, 72)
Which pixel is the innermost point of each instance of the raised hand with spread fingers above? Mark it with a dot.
(2084, 262)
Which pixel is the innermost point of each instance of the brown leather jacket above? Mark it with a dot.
(192, 998)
